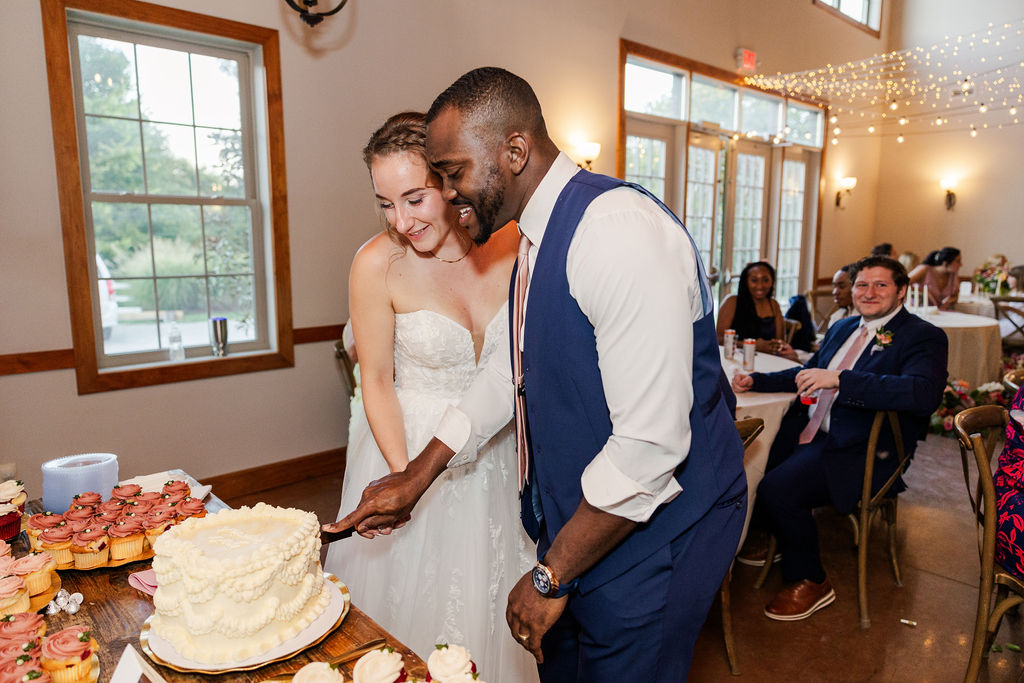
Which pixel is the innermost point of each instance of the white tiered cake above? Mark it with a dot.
(237, 583)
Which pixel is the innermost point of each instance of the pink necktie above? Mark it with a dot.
(828, 395)
(522, 279)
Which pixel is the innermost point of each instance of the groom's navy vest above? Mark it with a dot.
(567, 416)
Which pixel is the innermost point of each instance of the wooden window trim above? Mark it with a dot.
(834, 11)
(72, 213)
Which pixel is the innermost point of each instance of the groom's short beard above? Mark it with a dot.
(490, 201)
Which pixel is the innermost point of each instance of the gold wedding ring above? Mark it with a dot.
(523, 636)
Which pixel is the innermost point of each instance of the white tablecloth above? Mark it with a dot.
(768, 407)
(975, 347)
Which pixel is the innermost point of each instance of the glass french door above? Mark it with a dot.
(705, 165)
(746, 209)
(792, 213)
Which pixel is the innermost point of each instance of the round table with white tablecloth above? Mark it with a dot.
(768, 407)
(975, 346)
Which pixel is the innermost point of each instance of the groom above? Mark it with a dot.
(635, 488)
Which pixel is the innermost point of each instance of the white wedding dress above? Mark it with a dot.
(445, 576)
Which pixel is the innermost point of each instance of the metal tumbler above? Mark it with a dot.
(219, 336)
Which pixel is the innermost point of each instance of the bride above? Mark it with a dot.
(428, 309)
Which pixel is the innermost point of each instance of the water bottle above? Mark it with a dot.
(175, 347)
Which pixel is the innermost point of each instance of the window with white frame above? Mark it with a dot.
(866, 12)
(181, 220)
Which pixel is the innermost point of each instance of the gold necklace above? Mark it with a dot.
(444, 260)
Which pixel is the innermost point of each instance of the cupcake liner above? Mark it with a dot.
(91, 560)
(60, 553)
(38, 582)
(10, 525)
(67, 672)
(124, 548)
(16, 604)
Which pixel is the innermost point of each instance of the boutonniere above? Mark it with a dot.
(883, 338)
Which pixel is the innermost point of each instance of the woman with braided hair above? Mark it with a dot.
(429, 307)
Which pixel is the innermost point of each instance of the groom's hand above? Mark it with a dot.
(530, 615)
(387, 503)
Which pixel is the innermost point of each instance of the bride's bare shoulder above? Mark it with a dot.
(377, 254)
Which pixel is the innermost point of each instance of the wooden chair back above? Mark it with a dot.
(1011, 309)
(1012, 380)
(790, 329)
(821, 305)
(977, 430)
(345, 352)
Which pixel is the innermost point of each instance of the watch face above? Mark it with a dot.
(541, 581)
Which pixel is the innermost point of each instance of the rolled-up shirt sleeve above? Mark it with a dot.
(633, 272)
(487, 406)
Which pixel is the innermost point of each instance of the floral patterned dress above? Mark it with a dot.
(1009, 480)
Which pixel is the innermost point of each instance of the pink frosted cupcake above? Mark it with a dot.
(13, 491)
(114, 504)
(67, 655)
(168, 506)
(22, 628)
(13, 595)
(23, 668)
(90, 548)
(5, 549)
(6, 565)
(10, 521)
(191, 507)
(38, 523)
(156, 522)
(12, 649)
(57, 542)
(176, 486)
(79, 512)
(126, 491)
(126, 538)
(106, 518)
(150, 497)
(77, 525)
(36, 570)
(88, 499)
(139, 506)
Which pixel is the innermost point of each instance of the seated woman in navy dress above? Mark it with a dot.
(1009, 480)
(753, 312)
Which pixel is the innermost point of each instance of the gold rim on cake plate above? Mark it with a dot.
(144, 636)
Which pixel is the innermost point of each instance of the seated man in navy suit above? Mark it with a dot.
(883, 359)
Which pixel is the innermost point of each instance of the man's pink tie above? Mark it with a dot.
(522, 279)
(828, 395)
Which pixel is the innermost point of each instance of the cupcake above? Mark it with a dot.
(150, 497)
(114, 504)
(126, 491)
(13, 491)
(38, 523)
(139, 506)
(90, 548)
(77, 525)
(191, 507)
(13, 595)
(156, 522)
(318, 672)
(106, 518)
(10, 521)
(6, 565)
(126, 538)
(57, 542)
(23, 668)
(379, 666)
(5, 549)
(67, 655)
(169, 506)
(176, 486)
(36, 570)
(22, 628)
(447, 662)
(88, 499)
(12, 649)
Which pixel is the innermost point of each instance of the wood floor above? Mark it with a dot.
(939, 562)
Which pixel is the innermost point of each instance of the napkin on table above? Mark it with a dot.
(144, 581)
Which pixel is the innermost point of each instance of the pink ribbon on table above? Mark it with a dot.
(144, 581)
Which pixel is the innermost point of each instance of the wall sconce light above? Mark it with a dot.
(948, 184)
(846, 186)
(313, 18)
(586, 154)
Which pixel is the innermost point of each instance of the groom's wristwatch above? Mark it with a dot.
(546, 583)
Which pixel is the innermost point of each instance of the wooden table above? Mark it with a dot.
(115, 612)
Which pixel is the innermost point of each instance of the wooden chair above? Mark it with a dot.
(881, 502)
(749, 431)
(1011, 308)
(345, 352)
(978, 429)
(821, 305)
(791, 328)
(1012, 380)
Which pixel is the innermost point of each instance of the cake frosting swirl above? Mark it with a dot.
(379, 666)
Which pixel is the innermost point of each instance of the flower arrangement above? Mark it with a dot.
(992, 277)
(959, 396)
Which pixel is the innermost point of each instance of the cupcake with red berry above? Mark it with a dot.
(106, 518)
(23, 668)
(37, 524)
(36, 570)
(126, 491)
(110, 505)
(57, 541)
(448, 662)
(191, 507)
(13, 595)
(156, 522)
(151, 497)
(379, 666)
(126, 538)
(86, 499)
(317, 672)
(22, 627)
(176, 487)
(67, 655)
(10, 521)
(90, 548)
(13, 491)
(138, 506)
(16, 647)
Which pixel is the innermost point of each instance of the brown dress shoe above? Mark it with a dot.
(755, 552)
(800, 600)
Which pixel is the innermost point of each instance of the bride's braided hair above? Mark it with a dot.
(405, 132)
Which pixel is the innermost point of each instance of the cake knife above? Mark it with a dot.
(332, 536)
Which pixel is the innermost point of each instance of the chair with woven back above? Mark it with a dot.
(978, 429)
(1010, 315)
(749, 430)
(882, 501)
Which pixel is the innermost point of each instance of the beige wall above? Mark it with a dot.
(340, 81)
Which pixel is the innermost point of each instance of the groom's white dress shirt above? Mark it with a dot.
(633, 273)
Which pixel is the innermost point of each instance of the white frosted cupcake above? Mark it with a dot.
(379, 666)
(318, 672)
(447, 662)
(13, 491)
